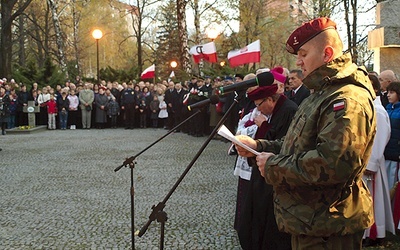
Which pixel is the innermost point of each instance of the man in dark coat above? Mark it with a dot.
(129, 103)
(298, 90)
(23, 97)
(177, 104)
(168, 98)
(257, 227)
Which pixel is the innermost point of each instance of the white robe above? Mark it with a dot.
(242, 168)
(381, 198)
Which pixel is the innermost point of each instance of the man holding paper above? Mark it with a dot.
(256, 225)
(316, 170)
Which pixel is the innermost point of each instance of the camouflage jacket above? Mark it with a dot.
(317, 169)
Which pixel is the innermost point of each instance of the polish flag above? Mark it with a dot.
(149, 72)
(248, 54)
(207, 52)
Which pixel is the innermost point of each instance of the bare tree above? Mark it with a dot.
(59, 36)
(183, 36)
(142, 18)
(7, 18)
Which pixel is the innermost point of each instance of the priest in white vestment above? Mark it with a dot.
(376, 179)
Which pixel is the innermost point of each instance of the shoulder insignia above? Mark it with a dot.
(338, 106)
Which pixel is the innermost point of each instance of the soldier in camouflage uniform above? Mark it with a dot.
(316, 170)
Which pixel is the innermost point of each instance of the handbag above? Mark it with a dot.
(88, 108)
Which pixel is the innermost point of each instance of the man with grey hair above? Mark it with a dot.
(385, 78)
(86, 98)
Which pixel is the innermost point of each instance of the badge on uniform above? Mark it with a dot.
(338, 106)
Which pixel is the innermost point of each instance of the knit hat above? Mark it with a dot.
(262, 92)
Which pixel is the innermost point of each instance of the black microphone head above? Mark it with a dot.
(265, 79)
(214, 99)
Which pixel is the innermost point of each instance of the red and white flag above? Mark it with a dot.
(248, 54)
(207, 52)
(149, 72)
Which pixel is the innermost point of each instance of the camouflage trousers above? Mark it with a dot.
(344, 242)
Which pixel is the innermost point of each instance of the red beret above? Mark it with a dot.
(306, 32)
(262, 92)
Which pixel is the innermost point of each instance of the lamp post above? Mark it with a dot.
(97, 34)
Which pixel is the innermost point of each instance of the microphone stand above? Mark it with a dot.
(131, 163)
(158, 212)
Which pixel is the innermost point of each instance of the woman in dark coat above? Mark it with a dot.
(101, 101)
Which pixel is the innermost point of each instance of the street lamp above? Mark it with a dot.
(173, 64)
(212, 33)
(97, 34)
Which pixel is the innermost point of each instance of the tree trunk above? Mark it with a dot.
(6, 42)
(21, 41)
(76, 19)
(7, 18)
(59, 37)
(183, 36)
(196, 21)
(354, 31)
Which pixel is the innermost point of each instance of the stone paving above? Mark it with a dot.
(58, 190)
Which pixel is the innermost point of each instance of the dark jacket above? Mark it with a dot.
(62, 103)
(302, 93)
(4, 108)
(257, 228)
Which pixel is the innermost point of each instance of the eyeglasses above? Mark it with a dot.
(258, 105)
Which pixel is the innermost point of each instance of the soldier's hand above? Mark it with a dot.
(249, 142)
(261, 160)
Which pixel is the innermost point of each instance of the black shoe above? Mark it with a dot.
(368, 242)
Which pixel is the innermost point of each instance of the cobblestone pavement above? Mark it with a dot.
(58, 190)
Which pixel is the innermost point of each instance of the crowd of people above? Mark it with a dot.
(84, 105)
(329, 140)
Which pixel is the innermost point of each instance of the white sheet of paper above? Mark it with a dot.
(224, 132)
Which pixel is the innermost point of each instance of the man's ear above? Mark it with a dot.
(328, 54)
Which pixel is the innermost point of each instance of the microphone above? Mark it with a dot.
(214, 99)
(262, 79)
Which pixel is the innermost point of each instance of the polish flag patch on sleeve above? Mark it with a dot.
(338, 106)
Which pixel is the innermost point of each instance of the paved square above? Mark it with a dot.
(58, 190)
